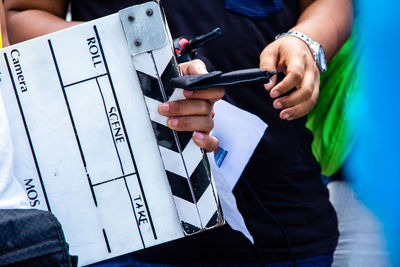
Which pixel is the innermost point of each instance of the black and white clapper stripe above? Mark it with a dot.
(191, 184)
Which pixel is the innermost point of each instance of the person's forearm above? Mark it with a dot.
(328, 22)
(33, 23)
(4, 37)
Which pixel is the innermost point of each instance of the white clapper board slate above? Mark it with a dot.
(89, 144)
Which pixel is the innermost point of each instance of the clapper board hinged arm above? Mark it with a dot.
(187, 170)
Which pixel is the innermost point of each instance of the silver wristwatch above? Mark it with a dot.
(315, 48)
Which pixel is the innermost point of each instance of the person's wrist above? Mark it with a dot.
(315, 48)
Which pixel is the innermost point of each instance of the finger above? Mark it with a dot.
(185, 107)
(302, 109)
(193, 67)
(295, 72)
(207, 142)
(296, 111)
(191, 123)
(212, 94)
(269, 61)
(272, 82)
(303, 93)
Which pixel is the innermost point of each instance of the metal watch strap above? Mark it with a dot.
(312, 45)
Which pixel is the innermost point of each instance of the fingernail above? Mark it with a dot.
(274, 94)
(199, 136)
(285, 116)
(267, 84)
(172, 122)
(278, 105)
(164, 108)
(187, 93)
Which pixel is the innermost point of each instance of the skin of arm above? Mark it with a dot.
(28, 19)
(4, 37)
(327, 22)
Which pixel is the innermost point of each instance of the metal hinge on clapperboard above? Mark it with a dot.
(185, 164)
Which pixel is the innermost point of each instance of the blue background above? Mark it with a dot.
(375, 163)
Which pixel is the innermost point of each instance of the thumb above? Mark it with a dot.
(193, 67)
(269, 61)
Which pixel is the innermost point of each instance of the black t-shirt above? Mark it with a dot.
(283, 172)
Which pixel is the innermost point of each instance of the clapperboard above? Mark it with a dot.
(89, 144)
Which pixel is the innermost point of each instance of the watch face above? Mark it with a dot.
(321, 59)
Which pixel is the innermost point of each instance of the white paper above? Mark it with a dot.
(228, 200)
(239, 133)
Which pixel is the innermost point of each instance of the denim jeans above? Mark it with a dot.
(324, 260)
